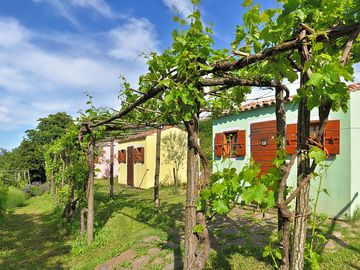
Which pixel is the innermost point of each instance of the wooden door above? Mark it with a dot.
(130, 165)
(263, 144)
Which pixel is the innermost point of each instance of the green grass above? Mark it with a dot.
(34, 237)
(14, 198)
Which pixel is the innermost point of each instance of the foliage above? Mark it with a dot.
(49, 128)
(274, 253)
(14, 198)
(68, 151)
(3, 198)
(315, 243)
(29, 156)
(35, 189)
(229, 187)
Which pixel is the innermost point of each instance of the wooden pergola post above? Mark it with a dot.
(157, 169)
(111, 174)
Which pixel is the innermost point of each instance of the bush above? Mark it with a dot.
(35, 189)
(15, 197)
(3, 197)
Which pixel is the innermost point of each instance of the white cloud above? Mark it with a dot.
(11, 32)
(100, 6)
(183, 7)
(36, 81)
(130, 40)
(65, 8)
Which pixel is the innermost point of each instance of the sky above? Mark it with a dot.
(53, 52)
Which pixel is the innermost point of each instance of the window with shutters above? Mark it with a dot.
(230, 144)
(122, 156)
(139, 155)
(331, 136)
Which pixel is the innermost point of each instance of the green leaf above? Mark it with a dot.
(221, 207)
(218, 188)
(199, 229)
(247, 3)
(260, 193)
(278, 254)
(326, 192)
(317, 154)
(315, 79)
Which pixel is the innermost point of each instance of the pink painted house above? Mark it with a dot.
(102, 166)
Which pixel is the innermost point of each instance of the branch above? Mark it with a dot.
(292, 44)
(293, 64)
(281, 204)
(312, 169)
(307, 28)
(234, 81)
(196, 146)
(148, 95)
(299, 187)
(348, 47)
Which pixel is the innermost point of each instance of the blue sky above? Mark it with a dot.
(53, 51)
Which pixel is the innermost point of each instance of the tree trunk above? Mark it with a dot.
(302, 199)
(157, 169)
(111, 174)
(191, 196)
(28, 176)
(280, 133)
(82, 221)
(90, 195)
(284, 223)
(197, 246)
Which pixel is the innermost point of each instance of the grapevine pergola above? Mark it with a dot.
(222, 75)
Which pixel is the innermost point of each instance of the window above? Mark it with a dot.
(139, 155)
(122, 156)
(230, 144)
(331, 136)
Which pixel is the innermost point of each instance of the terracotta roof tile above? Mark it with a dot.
(271, 101)
(141, 135)
(354, 87)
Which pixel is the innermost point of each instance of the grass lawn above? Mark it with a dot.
(33, 237)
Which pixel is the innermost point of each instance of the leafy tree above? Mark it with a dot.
(49, 128)
(32, 149)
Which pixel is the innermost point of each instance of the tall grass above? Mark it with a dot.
(3, 197)
(14, 198)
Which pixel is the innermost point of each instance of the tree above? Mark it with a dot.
(49, 128)
(175, 147)
(32, 149)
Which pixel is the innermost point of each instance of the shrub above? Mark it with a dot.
(15, 197)
(3, 197)
(35, 189)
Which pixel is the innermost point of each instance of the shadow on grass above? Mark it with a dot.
(168, 218)
(242, 235)
(31, 241)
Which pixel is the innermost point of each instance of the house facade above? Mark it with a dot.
(102, 166)
(137, 160)
(251, 133)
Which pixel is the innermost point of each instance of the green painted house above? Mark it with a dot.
(252, 132)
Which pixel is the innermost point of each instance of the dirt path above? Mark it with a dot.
(30, 240)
